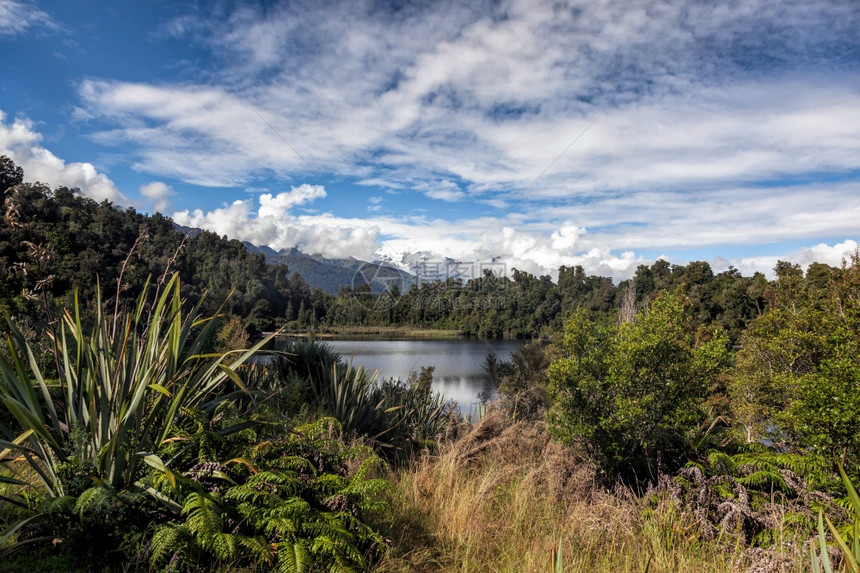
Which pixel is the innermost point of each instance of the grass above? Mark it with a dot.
(504, 496)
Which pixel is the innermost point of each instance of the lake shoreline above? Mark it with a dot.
(376, 332)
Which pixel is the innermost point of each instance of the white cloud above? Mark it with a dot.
(492, 95)
(441, 190)
(20, 143)
(565, 238)
(280, 204)
(17, 18)
(833, 255)
(159, 193)
(713, 124)
(274, 225)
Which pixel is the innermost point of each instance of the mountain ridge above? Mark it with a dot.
(332, 274)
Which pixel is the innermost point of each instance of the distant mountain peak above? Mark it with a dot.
(332, 274)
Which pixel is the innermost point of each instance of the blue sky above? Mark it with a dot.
(536, 133)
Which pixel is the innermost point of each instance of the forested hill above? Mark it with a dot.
(55, 241)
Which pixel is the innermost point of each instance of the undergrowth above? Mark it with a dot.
(504, 496)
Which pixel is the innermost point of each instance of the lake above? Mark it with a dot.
(459, 373)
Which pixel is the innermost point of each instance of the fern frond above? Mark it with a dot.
(167, 540)
(203, 517)
(330, 484)
(93, 500)
(324, 432)
(294, 463)
(721, 462)
(225, 546)
(293, 557)
(765, 479)
(257, 548)
(265, 488)
(287, 519)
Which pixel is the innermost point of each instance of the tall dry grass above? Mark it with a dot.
(500, 498)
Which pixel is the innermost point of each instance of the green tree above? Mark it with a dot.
(634, 394)
(798, 369)
(10, 174)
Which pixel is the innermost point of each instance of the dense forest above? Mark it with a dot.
(55, 241)
(679, 421)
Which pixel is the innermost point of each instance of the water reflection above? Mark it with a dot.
(458, 374)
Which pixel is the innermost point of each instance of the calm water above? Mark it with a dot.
(459, 373)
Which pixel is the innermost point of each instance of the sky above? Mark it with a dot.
(532, 133)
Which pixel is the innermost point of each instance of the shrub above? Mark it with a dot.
(634, 394)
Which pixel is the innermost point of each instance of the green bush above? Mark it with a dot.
(304, 502)
(634, 394)
(395, 417)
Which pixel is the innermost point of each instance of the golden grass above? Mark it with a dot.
(500, 498)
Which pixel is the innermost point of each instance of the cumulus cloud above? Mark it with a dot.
(271, 223)
(20, 143)
(17, 18)
(507, 243)
(159, 193)
(829, 254)
(833, 255)
(279, 205)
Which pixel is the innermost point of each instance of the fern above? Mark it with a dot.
(166, 541)
(293, 557)
(266, 488)
(295, 463)
(767, 460)
(95, 500)
(765, 538)
(57, 505)
(720, 462)
(203, 517)
(300, 503)
(764, 480)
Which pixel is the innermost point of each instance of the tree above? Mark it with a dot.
(10, 174)
(781, 346)
(798, 368)
(635, 393)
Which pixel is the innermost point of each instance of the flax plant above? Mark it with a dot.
(122, 386)
(850, 555)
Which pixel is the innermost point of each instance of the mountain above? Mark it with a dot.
(331, 274)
